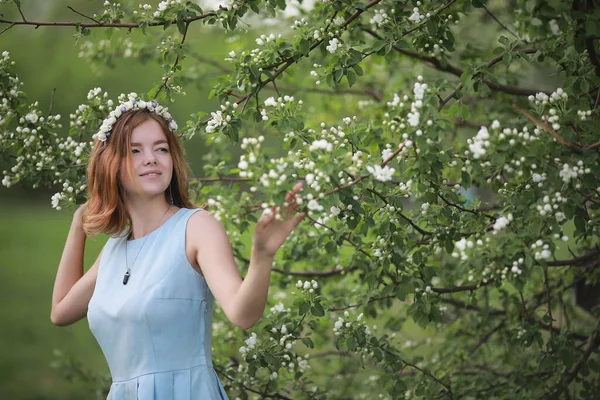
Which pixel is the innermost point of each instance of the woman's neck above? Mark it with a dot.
(148, 216)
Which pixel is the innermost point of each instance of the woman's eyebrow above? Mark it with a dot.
(155, 143)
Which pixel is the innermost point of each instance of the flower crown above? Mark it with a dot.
(132, 103)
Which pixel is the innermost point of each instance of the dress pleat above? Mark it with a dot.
(182, 389)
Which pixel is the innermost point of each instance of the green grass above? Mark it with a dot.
(31, 243)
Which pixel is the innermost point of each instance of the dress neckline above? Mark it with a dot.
(141, 239)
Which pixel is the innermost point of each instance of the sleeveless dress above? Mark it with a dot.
(155, 332)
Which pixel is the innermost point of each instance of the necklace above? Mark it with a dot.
(128, 272)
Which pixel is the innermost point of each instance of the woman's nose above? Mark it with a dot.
(150, 158)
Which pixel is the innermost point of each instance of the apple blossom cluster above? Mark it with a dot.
(299, 23)
(568, 172)
(334, 211)
(537, 178)
(218, 208)
(413, 117)
(280, 107)
(276, 176)
(333, 45)
(11, 92)
(221, 118)
(34, 132)
(93, 51)
(583, 115)
(383, 174)
(163, 6)
(111, 12)
(307, 286)
(146, 8)
(379, 248)
(264, 39)
(250, 344)
(501, 223)
(380, 18)
(345, 328)
(479, 144)
(279, 308)
(231, 4)
(551, 205)
(514, 269)
(558, 98)
(523, 134)
(66, 196)
(462, 245)
(416, 16)
(544, 252)
(316, 74)
(253, 144)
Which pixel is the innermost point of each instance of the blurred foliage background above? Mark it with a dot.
(32, 234)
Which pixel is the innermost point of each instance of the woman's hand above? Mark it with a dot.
(270, 233)
(78, 215)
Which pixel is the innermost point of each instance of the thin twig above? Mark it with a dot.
(173, 68)
(51, 101)
(7, 28)
(499, 22)
(83, 15)
(487, 336)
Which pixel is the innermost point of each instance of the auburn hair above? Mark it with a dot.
(105, 211)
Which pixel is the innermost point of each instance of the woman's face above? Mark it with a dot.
(151, 160)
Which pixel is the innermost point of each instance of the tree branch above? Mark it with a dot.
(107, 24)
(468, 288)
(544, 126)
(591, 344)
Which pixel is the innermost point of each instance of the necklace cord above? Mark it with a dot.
(128, 271)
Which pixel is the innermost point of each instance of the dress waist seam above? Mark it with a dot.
(203, 364)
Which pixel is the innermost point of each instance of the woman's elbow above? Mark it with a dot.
(244, 323)
(59, 320)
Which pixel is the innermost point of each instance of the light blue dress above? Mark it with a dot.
(155, 331)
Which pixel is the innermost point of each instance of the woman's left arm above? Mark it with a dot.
(242, 301)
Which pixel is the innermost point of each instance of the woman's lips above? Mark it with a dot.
(151, 175)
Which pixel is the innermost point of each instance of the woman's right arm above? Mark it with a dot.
(72, 288)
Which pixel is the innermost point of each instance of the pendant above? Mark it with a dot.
(126, 277)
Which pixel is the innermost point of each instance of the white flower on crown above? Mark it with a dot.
(132, 103)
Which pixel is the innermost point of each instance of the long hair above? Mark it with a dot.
(105, 211)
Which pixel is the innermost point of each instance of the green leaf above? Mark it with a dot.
(195, 7)
(357, 68)
(304, 47)
(317, 310)
(351, 76)
(304, 307)
(181, 26)
(308, 342)
(580, 224)
(378, 45)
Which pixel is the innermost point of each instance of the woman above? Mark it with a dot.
(149, 296)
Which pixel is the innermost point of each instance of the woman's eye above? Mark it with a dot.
(164, 149)
(135, 151)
